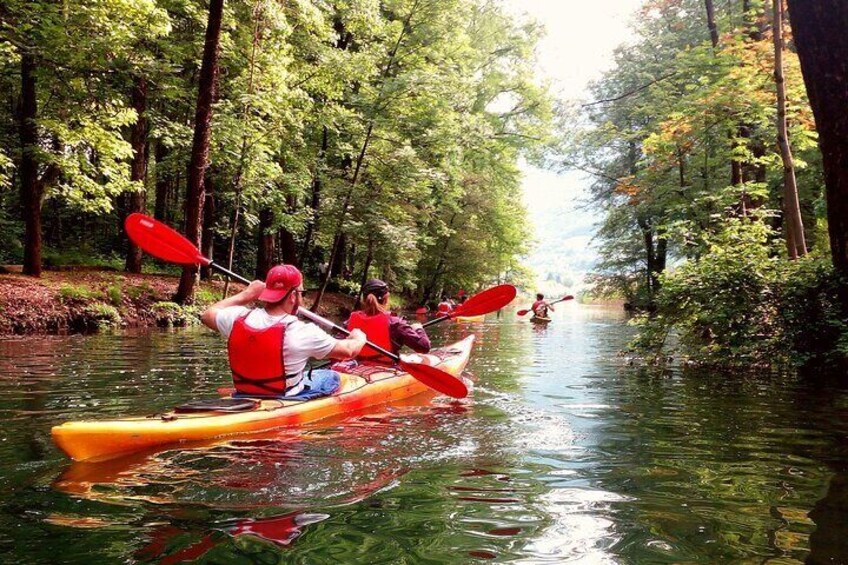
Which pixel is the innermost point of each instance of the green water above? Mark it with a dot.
(563, 452)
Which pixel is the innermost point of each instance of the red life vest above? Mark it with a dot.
(540, 309)
(444, 307)
(257, 360)
(376, 329)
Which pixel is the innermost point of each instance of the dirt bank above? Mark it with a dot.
(88, 300)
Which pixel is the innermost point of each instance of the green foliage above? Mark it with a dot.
(171, 314)
(740, 304)
(439, 99)
(807, 293)
(349, 287)
(115, 295)
(102, 316)
(81, 255)
(206, 295)
(11, 237)
(137, 291)
(77, 293)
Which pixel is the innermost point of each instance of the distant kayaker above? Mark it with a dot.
(446, 305)
(269, 347)
(540, 307)
(383, 328)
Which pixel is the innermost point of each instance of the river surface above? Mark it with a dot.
(563, 452)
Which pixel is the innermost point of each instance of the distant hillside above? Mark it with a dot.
(563, 230)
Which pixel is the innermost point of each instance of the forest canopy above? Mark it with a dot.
(349, 138)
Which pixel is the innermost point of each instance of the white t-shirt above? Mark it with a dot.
(303, 341)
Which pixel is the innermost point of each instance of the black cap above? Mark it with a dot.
(376, 287)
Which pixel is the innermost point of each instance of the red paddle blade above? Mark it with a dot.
(522, 312)
(487, 301)
(566, 297)
(162, 241)
(436, 379)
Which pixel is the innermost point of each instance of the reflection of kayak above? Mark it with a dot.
(479, 318)
(540, 320)
(105, 439)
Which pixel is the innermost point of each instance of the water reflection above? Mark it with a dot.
(562, 453)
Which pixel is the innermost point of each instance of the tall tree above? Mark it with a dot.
(200, 145)
(138, 166)
(819, 32)
(795, 243)
(32, 188)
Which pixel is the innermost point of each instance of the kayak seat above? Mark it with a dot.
(217, 405)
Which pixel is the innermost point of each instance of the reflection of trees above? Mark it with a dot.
(728, 457)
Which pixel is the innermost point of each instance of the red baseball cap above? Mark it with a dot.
(279, 282)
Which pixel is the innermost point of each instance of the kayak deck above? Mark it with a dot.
(104, 439)
(540, 320)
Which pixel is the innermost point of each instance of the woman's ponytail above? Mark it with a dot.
(373, 306)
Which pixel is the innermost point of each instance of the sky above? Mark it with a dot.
(577, 48)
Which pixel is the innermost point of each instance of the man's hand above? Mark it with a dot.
(242, 298)
(358, 335)
(350, 346)
(253, 290)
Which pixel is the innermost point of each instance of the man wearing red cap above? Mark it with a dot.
(269, 347)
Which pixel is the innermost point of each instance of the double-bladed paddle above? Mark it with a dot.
(169, 245)
(566, 297)
(483, 302)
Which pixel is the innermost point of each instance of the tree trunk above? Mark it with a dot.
(200, 145)
(795, 244)
(711, 23)
(822, 44)
(361, 158)
(207, 238)
(338, 237)
(232, 246)
(138, 167)
(265, 249)
(32, 190)
(369, 257)
(163, 183)
(337, 266)
(288, 247)
(315, 203)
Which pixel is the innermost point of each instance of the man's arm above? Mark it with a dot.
(243, 298)
(551, 306)
(349, 347)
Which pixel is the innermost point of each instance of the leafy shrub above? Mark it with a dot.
(742, 303)
(76, 293)
(807, 294)
(79, 255)
(11, 238)
(346, 286)
(206, 295)
(136, 292)
(171, 314)
(115, 295)
(103, 315)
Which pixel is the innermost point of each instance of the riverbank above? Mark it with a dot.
(89, 300)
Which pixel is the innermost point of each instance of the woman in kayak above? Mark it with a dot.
(269, 347)
(540, 307)
(383, 328)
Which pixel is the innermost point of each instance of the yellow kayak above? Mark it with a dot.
(105, 439)
(479, 318)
